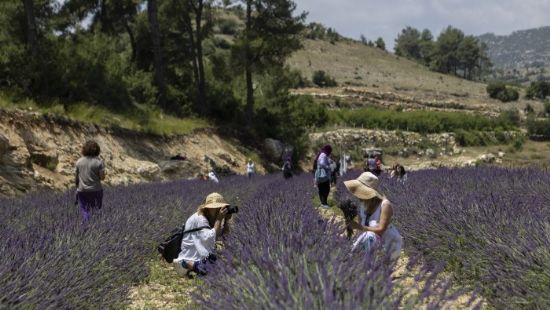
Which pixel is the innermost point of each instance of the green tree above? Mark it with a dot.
(197, 31)
(32, 35)
(380, 44)
(157, 52)
(407, 43)
(446, 57)
(468, 54)
(271, 34)
(538, 90)
(363, 39)
(426, 46)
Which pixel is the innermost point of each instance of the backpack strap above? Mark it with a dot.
(195, 229)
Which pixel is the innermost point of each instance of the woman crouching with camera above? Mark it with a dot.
(198, 244)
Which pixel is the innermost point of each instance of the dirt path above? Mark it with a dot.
(163, 289)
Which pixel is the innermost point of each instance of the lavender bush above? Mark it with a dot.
(51, 260)
(491, 226)
(283, 255)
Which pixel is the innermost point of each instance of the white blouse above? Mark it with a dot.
(196, 246)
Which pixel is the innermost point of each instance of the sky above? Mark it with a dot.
(386, 18)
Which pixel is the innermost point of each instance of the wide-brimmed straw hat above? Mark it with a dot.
(364, 187)
(214, 201)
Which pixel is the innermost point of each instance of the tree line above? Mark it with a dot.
(164, 53)
(452, 52)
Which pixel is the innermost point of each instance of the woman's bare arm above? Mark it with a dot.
(385, 220)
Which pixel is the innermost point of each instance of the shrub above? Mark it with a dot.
(538, 129)
(322, 79)
(499, 90)
(228, 26)
(538, 90)
(420, 121)
(510, 117)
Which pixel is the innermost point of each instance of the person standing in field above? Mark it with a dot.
(376, 213)
(90, 171)
(250, 168)
(212, 177)
(321, 168)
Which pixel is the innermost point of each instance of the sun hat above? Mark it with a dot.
(214, 201)
(364, 187)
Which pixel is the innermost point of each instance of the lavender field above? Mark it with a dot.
(490, 227)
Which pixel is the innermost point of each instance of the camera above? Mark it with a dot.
(232, 209)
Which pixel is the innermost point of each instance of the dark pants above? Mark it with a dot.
(324, 190)
(202, 267)
(88, 202)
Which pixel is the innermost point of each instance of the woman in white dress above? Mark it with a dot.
(376, 213)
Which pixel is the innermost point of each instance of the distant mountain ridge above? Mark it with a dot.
(520, 50)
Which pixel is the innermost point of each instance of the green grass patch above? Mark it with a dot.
(140, 117)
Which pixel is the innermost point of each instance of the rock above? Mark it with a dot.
(45, 158)
(228, 159)
(149, 171)
(4, 145)
(501, 154)
(487, 158)
(211, 162)
(430, 153)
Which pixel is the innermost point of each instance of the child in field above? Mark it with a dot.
(376, 214)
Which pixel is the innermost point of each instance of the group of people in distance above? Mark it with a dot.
(212, 218)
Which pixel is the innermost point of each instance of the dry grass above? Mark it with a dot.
(374, 71)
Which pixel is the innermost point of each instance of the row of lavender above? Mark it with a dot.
(283, 255)
(51, 260)
(490, 226)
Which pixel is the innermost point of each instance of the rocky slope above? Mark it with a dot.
(520, 48)
(38, 152)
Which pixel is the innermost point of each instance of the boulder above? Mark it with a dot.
(45, 158)
(431, 153)
(149, 171)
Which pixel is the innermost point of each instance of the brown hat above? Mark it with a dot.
(214, 201)
(364, 187)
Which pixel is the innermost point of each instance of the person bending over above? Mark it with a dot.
(198, 247)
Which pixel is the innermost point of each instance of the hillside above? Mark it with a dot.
(38, 152)
(522, 53)
(370, 76)
(520, 48)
